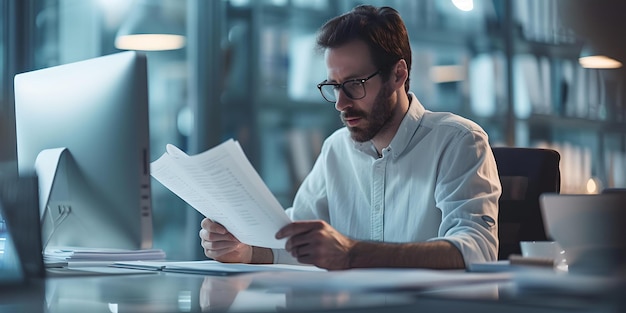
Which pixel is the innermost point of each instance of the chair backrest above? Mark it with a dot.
(525, 173)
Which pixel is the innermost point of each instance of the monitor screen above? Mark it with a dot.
(20, 239)
(83, 129)
(10, 266)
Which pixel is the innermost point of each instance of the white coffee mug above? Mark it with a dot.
(543, 249)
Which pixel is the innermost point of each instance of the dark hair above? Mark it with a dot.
(382, 29)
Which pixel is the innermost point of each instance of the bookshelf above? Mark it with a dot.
(511, 66)
(559, 104)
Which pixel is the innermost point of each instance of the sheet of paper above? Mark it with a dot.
(376, 279)
(214, 267)
(141, 265)
(209, 266)
(103, 269)
(221, 184)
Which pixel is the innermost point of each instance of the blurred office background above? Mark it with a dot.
(247, 69)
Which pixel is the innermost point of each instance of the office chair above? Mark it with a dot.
(525, 173)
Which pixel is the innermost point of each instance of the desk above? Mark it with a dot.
(176, 292)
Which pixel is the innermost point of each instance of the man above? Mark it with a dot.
(399, 186)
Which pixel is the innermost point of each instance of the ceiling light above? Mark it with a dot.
(590, 58)
(146, 28)
(464, 5)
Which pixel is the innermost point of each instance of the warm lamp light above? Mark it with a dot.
(150, 42)
(594, 185)
(147, 29)
(589, 58)
(447, 73)
(464, 5)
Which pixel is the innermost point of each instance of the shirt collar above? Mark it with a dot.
(405, 132)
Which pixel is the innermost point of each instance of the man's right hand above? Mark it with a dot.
(219, 244)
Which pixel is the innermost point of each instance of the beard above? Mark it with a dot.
(376, 120)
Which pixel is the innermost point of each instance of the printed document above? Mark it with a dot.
(212, 267)
(221, 184)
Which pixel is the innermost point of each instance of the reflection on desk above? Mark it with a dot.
(253, 292)
(175, 292)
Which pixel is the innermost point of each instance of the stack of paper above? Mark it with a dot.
(91, 256)
(221, 184)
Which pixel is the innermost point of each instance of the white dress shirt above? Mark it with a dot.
(437, 180)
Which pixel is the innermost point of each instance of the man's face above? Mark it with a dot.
(365, 117)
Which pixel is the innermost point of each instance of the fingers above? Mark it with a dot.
(212, 231)
(215, 239)
(212, 226)
(216, 236)
(230, 252)
(299, 227)
(215, 250)
(205, 222)
(227, 250)
(219, 244)
(317, 243)
(301, 251)
(222, 245)
(215, 245)
(303, 237)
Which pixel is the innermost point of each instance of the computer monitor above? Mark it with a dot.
(90, 119)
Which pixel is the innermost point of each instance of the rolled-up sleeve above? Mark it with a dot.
(467, 193)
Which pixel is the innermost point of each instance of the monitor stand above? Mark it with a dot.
(73, 210)
(51, 169)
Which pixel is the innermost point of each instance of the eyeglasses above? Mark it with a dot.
(354, 88)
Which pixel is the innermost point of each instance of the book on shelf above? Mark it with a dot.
(222, 185)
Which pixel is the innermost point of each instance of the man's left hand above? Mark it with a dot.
(317, 243)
